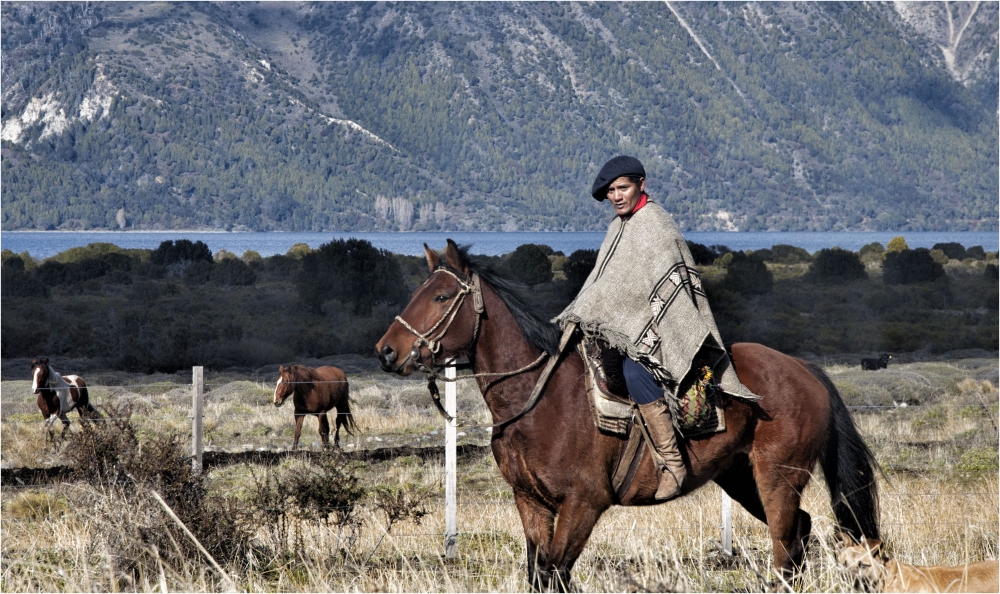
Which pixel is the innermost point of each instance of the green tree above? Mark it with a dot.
(529, 264)
(897, 244)
(835, 265)
(910, 266)
(748, 275)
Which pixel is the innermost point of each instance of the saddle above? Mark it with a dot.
(696, 412)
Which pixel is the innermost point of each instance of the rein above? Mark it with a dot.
(433, 345)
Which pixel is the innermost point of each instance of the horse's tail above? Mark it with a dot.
(849, 467)
(345, 418)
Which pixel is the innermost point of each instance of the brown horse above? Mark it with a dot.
(560, 465)
(315, 391)
(58, 395)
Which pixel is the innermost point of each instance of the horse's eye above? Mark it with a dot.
(441, 298)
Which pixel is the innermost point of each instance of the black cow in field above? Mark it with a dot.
(872, 364)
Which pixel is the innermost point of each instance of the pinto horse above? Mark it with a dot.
(560, 466)
(58, 395)
(315, 391)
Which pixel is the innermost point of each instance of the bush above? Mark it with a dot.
(198, 273)
(953, 250)
(910, 266)
(897, 244)
(976, 252)
(353, 272)
(748, 275)
(528, 264)
(135, 529)
(182, 250)
(835, 265)
(581, 262)
(703, 255)
(873, 253)
(230, 271)
(788, 254)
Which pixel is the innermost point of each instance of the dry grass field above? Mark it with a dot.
(939, 496)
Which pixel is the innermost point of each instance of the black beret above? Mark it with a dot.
(612, 170)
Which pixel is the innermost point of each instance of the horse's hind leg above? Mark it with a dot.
(738, 482)
(537, 521)
(324, 429)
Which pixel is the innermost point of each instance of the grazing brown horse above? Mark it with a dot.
(560, 465)
(315, 391)
(58, 395)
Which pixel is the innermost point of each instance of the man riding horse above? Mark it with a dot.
(645, 298)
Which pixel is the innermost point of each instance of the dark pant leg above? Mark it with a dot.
(642, 386)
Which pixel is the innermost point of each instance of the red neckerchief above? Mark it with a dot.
(642, 202)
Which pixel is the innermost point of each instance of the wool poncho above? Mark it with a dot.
(644, 298)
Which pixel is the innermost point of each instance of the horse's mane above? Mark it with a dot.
(300, 374)
(541, 334)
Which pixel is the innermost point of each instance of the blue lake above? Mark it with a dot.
(43, 244)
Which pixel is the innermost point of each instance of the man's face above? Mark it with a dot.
(624, 195)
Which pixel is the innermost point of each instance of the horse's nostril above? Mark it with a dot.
(387, 354)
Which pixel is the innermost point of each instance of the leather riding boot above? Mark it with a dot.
(672, 472)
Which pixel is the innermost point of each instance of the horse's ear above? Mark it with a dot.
(845, 539)
(432, 258)
(282, 369)
(454, 258)
(876, 547)
(44, 360)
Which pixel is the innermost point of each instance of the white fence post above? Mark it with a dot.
(197, 397)
(450, 466)
(727, 524)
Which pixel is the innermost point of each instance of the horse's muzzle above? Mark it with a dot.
(389, 361)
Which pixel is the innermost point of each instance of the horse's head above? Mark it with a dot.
(439, 322)
(285, 386)
(39, 374)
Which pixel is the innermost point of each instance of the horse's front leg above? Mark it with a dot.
(537, 521)
(324, 429)
(575, 522)
(299, 418)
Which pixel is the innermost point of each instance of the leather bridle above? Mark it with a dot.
(433, 343)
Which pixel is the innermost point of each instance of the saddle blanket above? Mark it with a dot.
(698, 410)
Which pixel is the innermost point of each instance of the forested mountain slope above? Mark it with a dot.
(490, 116)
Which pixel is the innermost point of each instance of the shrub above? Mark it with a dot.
(581, 262)
(231, 271)
(953, 250)
(789, 254)
(199, 272)
(835, 265)
(224, 255)
(990, 271)
(976, 252)
(528, 264)
(873, 253)
(251, 257)
(703, 255)
(182, 250)
(897, 244)
(910, 266)
(299, 250)
(353, 272)
(135, 529)
(748, 275)
(939, 256)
